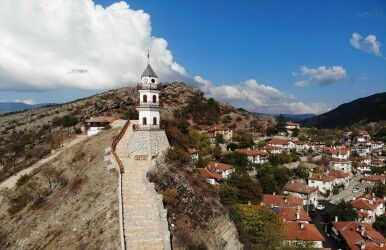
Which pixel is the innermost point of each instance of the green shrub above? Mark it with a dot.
(177, 155)
(23, 179)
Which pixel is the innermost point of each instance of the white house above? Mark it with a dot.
(337, 152)
(273, 149)
(94, 125)
(368, 207)
(215, 130)
(340, 164)
(365, 159)
(194, 154)
(223, 169)
(301, 147)
(254, 155)
(376, 145)
(309, 195)
(363, 168)
(362, 150)
(322, 182)
(282, 143)
(291, 127)
(211, 176)
(342, 178)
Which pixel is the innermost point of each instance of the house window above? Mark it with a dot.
(144, 121)
(154, 98)
(145, 98)
(154, 120)
(152, 81)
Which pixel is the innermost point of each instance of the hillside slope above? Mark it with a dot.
(70, 202)
(362, 110)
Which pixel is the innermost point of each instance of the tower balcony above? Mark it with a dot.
(149, 104)
(148, 127)
(151, 86)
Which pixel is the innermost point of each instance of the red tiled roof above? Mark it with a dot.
(252, 152)
(215, 128)
(338, 174)
(374, 178)
(270, 147)
(209, 174)
(290, 214)
(281, 200)
(102, 119)
(278, 141)
(294, 231)
(337, 160)
(351, 232)
(363, 204)
(219, 166)
(320, 177)
(340, 150)
(297, 187)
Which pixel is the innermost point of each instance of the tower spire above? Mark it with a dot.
(148, 56)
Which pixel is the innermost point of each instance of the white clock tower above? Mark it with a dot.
(149, 104)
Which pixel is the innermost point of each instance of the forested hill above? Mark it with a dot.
(363, 110)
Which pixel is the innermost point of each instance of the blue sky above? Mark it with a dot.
(230, 42)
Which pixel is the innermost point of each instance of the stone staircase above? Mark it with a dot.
(145, 225)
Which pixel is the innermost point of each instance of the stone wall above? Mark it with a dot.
(148, 143)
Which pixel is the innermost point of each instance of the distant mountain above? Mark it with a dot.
(6, 107)
(290, 117)
(362, 110)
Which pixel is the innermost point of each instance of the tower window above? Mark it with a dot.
(152, 80)
(144, 121)
(154, 98)
(144, 98)
(154, 120)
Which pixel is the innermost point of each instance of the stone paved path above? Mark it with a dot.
(143, 228)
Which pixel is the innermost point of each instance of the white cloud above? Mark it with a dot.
(259, 97)
(302, 83)
(368, 44)
(47, 44)
(322, 75)
(26, 101)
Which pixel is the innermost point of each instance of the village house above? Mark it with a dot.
(282, 143)
(324, 183)
(194, 155)
(94, 125)
(215, 172)
(211, 176)
(368, 207)
(372, 179)
(365, 159)
(292, 214)
(363, 168)
(254, 155)
(337, 152)
(272, 149)
(215, 130)
(358, 235)
(342, 178)
(309, 195)
(362, 138)
(301, 146)
(377, 163)
(273, 200)
(302, 235)
(340, 165)
(316, 144)
(376, 145)
(291, 127)
(362, 150)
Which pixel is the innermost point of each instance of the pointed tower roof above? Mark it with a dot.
(149, 72)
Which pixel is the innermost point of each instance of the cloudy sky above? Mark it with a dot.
(265, 56)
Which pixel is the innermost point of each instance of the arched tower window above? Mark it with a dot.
(154, 98)
(154, 120)
(144, 98)
(152, 80)
(144, 121)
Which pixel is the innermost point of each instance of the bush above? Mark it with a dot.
(23, 179)
(170, 197)
(177, 155)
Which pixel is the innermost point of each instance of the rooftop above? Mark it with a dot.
(209, 174)
(301, 231)
(252, 152)
(321, 177)
(297, 187)
(219, 166)
(149, 72)
(281, 201)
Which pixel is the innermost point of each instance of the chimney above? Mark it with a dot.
(301, 225)
(298, 213)
(353, 198)
(249, 203)
(274, 193)
(292, 181)
(363, 231)
(363, 245)
(336, 218)
(285, 201)
(216, 164)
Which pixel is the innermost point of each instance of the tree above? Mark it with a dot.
(280, 124)
(272, 179)
(219, 139)
(265, 228)
(247, 190)
(345, 211)
(237, 159)
(295, 133)
(379, 189)
(380, 225)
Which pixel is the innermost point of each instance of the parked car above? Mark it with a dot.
(320, 207)
(355, 190)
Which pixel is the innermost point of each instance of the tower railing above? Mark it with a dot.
(139, 127)
(149, 104)
(153, 86)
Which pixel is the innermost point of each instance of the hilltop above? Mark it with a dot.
(363, 110)
(27, 136)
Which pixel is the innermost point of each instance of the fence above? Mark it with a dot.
(116, 139)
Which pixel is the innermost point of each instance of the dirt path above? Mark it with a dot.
(11, 181)
(143, 226)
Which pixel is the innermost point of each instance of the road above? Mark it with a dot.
(11, 181)
(319, 218)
